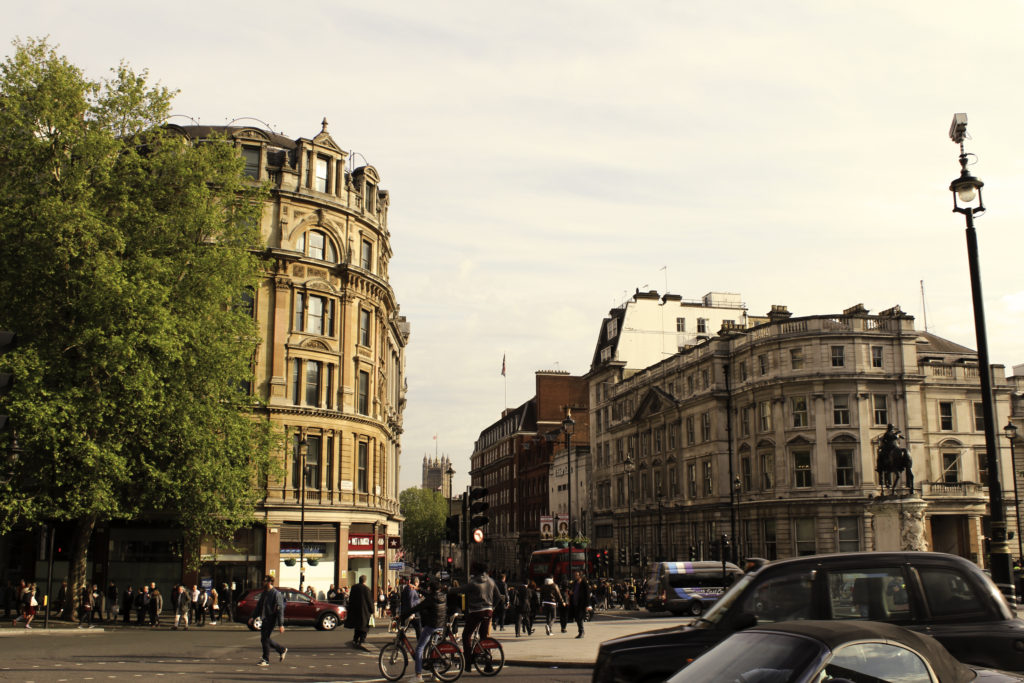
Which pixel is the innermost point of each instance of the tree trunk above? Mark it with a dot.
(79, 559)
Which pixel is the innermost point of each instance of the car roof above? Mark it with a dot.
(873, 556)
(835, 633)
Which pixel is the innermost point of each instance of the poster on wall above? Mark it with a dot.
(547, 527)
(562, 525)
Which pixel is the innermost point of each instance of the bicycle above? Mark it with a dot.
(488, 657)
(441, 658)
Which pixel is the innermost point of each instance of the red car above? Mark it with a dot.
(298, 609)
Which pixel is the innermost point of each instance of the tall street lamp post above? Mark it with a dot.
(568, 424)
(304, 454)
(1011, 433)
(628, 467)
(660, 526)
(967, 200)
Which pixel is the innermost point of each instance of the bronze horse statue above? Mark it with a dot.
(893, 460)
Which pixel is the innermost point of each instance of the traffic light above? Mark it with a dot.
(622, 557)
(636, 558)
(606, 560)
(477, 507)
(451, 530)
(449, 561)
(7, 340)
(693, 553)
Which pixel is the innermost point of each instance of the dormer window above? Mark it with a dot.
(318, 246)
(322, 173)
(251, 157)
(371, 190)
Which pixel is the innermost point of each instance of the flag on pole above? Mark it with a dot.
(435, 437)
(502, 365)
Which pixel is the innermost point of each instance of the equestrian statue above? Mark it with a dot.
(893, 460)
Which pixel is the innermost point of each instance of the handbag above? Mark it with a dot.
(372, 622)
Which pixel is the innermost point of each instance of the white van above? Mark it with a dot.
(688, 587)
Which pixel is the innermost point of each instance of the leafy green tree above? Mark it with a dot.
(425, 513)
(126, 253)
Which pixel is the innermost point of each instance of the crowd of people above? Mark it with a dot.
(140, 605)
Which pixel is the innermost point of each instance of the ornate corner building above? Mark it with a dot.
(331, 368)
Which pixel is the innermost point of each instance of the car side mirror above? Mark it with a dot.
(743, 621)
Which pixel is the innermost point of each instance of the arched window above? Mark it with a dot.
(318, 245)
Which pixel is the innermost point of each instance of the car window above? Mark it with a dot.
(781, 598)
(879, 594)
(295, 596)
(876, 661)
(948, 593)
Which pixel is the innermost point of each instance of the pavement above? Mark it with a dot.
(559, 650)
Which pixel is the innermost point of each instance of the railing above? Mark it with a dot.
(960, 488)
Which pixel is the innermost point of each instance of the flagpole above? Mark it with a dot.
(505, 378)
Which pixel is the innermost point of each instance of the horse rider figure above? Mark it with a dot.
(892, 460)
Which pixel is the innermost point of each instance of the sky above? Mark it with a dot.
(547, 158)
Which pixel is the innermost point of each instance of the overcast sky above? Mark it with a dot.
(545, 159)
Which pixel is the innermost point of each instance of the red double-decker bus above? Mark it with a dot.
(554, 562)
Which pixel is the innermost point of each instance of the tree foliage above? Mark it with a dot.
(425, 513)
(126, 253)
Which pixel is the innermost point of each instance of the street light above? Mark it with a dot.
(737, 488)
(966, 189)
(661, 526)
(629, 467)
(1011, 433)
(568, 425)
(302, 507)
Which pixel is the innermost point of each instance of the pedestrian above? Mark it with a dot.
(563, 612)
(182, 603)
(202, 600)
(360, 610)
(213, 606)
(61, 603)
(85, 609)
(127, 602)
(382, 603)
(550, 600)
(270, 609)
(193, 595)
(156, 606)
(332, 594)
(110, 603)
(409, 599)
(431, 610)
(98, 598)
(481, 595)
(30, 604)
(522, 609)
(227, 605)
(502, 605)
(579, 600)
(142, 599)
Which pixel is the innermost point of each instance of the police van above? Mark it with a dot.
(688, 587)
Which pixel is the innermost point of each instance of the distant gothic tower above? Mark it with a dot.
(435, 474)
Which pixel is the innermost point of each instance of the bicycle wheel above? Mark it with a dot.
(392, 661)
(445, 661)
(488, 657)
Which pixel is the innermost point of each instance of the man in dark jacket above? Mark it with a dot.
(360, 609)
(270, 608)
(481, 594)
(579, 600)
(501, 605)
(410, 598)
(127, 603)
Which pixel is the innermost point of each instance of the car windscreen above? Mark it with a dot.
(753, 658)
(722, 605)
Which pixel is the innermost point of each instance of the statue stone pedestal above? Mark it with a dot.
(899, 523)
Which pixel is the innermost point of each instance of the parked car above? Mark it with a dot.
(822, 651)
(299, 609)
(941, 595)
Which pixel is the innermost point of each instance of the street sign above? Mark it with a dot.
(478, 535)
(396, 566)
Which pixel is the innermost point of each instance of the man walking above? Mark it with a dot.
(360, 609)
(182, 603)
(270, 609)
(110, 604)
(579, 600)
(127, 602)
(501, 605)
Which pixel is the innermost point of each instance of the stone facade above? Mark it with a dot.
(331, 367)
(769, 434)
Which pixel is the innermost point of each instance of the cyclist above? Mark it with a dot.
(482, 594)
(433, 611)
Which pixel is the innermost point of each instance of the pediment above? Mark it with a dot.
(323, 139)
(654, 402)
(315, 345)
(254, 134)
